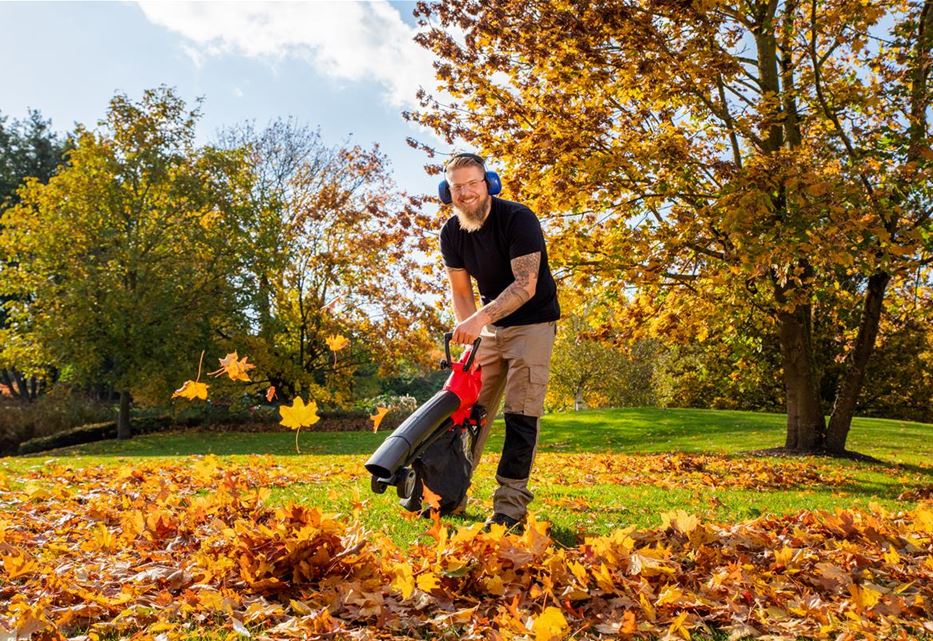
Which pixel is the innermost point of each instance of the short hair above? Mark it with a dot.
(465, 160)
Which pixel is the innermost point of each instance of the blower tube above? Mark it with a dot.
(400, 448)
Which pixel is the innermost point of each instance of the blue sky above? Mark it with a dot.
(349, 68)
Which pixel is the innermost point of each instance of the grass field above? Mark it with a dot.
(595, 470)
(664, 524)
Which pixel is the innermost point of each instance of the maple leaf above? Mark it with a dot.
(336, 342)
(192, 390)
(433, 500)
(378, 416)
(270, 393)
(550, 625)
(298, 415)
(234, 367)
(428, 582)
(404, 580)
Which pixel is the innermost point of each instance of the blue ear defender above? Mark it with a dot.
(493, 182)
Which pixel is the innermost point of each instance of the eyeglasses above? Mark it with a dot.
(471, 184)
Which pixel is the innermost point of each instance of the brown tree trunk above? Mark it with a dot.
(840, 420)
(21, 390)
(123, 420)
(806, 427)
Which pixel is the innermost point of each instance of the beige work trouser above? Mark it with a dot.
(515, 363)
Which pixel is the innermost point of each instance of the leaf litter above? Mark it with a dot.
(144, 552)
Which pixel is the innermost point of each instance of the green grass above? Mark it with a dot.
(338, 483)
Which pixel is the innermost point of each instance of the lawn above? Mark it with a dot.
(334, 479)
(664, 486)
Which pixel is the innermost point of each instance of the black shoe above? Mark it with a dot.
(503, 519)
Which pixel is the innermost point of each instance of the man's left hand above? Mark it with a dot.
(469, 330)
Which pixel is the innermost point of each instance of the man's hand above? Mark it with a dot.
(469, 330)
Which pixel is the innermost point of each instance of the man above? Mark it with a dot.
(500, 245)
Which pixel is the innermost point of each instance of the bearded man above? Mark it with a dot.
(500, 245)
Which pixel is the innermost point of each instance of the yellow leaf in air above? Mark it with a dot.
(192, 390)
(550, 625)
(234, 367)
(337, 342)
(378, 416)
(299, 415)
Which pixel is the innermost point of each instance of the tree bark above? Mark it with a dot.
(840, 419)
(123, 420)
(806, 427)
(578, 400)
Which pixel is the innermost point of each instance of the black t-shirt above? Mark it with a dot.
(511, 230)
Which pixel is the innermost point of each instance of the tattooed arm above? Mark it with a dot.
(525, 270)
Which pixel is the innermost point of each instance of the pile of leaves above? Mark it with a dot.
(691, 470)
(164, 550)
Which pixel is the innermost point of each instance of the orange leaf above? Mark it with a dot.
(378, 416)
(234, 368)
(433, 500)
(270, 393)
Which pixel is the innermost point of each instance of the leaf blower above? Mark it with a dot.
(434, 446)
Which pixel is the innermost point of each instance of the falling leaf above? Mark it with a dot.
(298, 415)
(270, 393)
(430, 498)
(234, 368)
(378, 416)
(192, 390)
(337, 342)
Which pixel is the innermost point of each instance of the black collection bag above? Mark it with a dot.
(446, 466)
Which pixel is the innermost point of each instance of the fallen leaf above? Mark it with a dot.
(550, 625)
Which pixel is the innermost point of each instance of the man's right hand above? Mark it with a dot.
(469, 330)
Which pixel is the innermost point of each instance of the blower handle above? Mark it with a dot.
(446, 363)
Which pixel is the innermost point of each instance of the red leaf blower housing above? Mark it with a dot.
(453, 409)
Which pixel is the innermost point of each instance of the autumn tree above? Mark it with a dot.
(340, 252)
(125, 259)
(29, 148)
(724, 158)
(588, 371)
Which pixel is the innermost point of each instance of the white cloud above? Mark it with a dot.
(354, 41)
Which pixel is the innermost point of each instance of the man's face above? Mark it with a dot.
(470, 196)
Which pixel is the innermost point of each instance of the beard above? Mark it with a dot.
(472, 217)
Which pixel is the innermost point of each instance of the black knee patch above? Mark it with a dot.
(521, 432)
